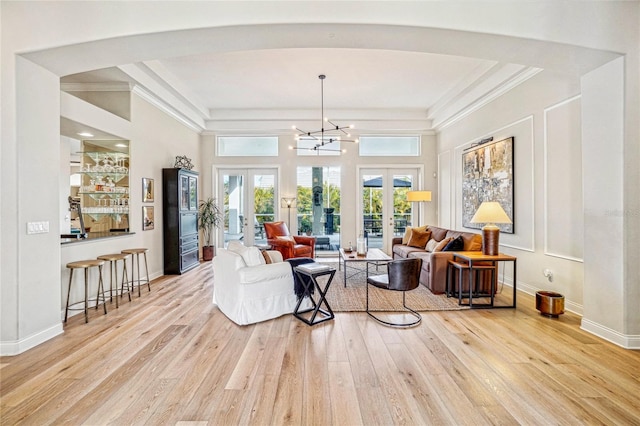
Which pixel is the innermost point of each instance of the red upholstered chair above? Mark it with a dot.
(289, 245)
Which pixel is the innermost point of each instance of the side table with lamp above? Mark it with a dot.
(489, 213)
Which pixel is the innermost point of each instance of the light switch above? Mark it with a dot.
(37, 227)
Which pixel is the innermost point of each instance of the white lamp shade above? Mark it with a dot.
(490, 212)
(419, 196)
(288, 202)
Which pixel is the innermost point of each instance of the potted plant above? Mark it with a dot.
(209, 216)
(305, 225)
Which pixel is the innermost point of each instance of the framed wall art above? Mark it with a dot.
(487, 175)
(147, 218)
(147, 190)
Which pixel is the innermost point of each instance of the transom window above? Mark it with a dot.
(247, 146)
(386, 146)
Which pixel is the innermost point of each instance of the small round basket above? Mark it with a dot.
(549, 303)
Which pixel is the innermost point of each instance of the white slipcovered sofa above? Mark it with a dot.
(249, 290)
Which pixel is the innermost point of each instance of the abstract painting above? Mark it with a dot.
(487, 175)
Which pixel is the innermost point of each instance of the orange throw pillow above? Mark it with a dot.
(407, 233)
(419, 238)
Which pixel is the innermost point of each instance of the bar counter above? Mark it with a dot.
(93, 236)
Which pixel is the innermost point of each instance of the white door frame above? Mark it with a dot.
(248, 172)
(386, 170)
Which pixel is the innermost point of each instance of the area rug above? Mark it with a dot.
(353, 297)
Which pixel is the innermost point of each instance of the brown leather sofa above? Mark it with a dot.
(434, 264)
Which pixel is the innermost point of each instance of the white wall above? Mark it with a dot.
(563, 200)
(604, 209)
(38, 157)
(522, 113)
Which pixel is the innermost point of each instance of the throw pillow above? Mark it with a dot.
(286, 238)
(235, 246)
(407, 233)
(406, 236)
(442, 244)
(476, 243)
(457, 244)
(252, 256)
(419, 238)
(431, 245)
(267, 258)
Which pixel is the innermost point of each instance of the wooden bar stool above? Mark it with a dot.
(113, 273)
(86, 264)
(137, 252)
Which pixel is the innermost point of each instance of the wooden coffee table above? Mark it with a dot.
(373, 257)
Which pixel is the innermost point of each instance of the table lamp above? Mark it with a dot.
(418, 196)
(490, 213)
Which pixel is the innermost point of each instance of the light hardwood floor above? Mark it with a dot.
(171, 357)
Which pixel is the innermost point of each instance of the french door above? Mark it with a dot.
(383, 202)
(247, 198)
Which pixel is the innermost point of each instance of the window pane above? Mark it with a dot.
(376, 146)
(318, 203)
(263, 204)
(247, 146)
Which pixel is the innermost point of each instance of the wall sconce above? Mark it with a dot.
(289, 203)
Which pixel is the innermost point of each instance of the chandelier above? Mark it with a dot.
(326, 135)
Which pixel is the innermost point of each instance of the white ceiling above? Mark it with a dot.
(288, 78)
(269, 89)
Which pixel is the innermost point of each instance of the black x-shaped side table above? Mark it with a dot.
(308, 283)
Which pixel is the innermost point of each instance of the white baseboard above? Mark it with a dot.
(16, 347)
(627, 341)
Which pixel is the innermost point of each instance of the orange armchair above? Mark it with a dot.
(289, 245)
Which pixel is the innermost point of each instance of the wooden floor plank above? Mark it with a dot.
(363, 371)
(246, 366)
(432, 407)
(345, 408)
(315, 410)
(287, 409)
(398, 396)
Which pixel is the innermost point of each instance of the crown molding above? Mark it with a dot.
(498, 90)
(312, 114)
(97, 87)
(167, 108)
(280, 121)
(164, 96)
